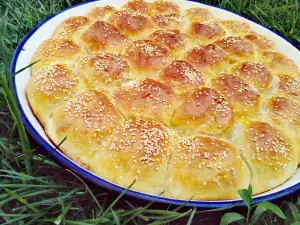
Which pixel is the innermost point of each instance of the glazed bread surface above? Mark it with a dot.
(181, 101)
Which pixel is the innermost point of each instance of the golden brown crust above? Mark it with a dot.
(138, 6)
(207, 32)
(235, 26)
(101, 12)
(203, 110)
(71, 27)
(131, 23)
(289, 86)
(260, 41)
(243, 99)
(50, 87)
(147, 99)
(164, 7)
(236, 47)
(208, 58)
(198, 15)
(102, 36)
(174, 40)
(104, 71)
(206, 168)
(182, 76)
(54, 51)
(269, 154)
(255, 74)
(83, 120)
(168, 21)
(139, 151)
(137, 89)
(147, 56)
(279, 63)
(283, 108)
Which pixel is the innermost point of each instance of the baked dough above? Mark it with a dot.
(185, 103)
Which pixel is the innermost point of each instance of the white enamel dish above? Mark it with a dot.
(43, 31)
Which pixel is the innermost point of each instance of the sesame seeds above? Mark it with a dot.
(93, 110)
(58, 48)
(204, 153)
(235, 26)
(207, 31)
(55, 79)
(130, 22)
(146, 140)
(237, 91)
(255, 73)
(70, 25)
(147, 54)
(102, 35)
(267, 142)
(199, 14)
(169, 20)
(236, 45)
(173, 39)
(106, 67)
(148, 98)
(204, 56)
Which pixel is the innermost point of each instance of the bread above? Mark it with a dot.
(243, 99)
(84, 121)
(271, 157)
(183, 102)
(206, 168)
(138, 150)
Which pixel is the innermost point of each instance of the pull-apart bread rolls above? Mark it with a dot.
(180, 100)
(139, 151)
(84, 121)
(271, 157)
(206, 168)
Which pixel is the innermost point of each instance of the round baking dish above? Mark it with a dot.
(43, 31)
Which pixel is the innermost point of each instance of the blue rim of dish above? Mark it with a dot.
(68, 163)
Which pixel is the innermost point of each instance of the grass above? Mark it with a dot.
(35, 190)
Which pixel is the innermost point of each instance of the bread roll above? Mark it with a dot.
(182, 76)
(139, 151)
(185, 101)
(51, 87)
(138, 6)
(271, 157)
(255, 74)
(261, 42)
(279, 63)
(131, 23)
(147, 99)
(55, 51)
(208, 58)
(234, 26)
(203, 110)
(84, 121)
(174, 40)
(104, 71)
(102, 36)
(71, 28)
(236, 47)
(198, 14)
(164, 7)
(147, 57)
(207, 32)
(168, 21)
(206, 168)
(243, 99)
(101, 13)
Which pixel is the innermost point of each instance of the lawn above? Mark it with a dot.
(35, 190)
